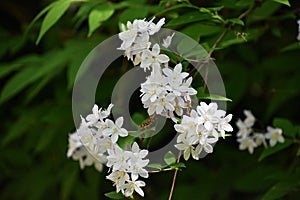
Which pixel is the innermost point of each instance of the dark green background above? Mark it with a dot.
(261, 74)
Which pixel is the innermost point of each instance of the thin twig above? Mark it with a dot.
(220, 38)
(174, 177)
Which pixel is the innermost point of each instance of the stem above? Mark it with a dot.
(220, 38)
(174, 177)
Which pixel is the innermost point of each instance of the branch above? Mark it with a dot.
(174, 177)
(220, 38)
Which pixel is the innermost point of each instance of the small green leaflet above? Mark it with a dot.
(285, 2)
(237, 21)
(202, 95)
(278, 147)
(98, 15)
(169, 158)
(178, 165)
(115, 195)
(155, 166)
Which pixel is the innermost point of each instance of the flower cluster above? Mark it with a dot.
(250, 139)
(95, 142)
(135, 42)
(124, 162)
(166, 91)
(200, 130)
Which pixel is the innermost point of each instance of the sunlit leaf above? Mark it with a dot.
(285, 2)
(53, 16)
(98, 15)
(202, 95)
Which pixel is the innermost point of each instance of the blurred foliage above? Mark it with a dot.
(43, 44)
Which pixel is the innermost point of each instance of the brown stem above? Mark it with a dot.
(220, 38)
(174, 177)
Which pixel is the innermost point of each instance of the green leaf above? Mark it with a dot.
(155, 166)
(278, 147)
(53, 16)
(46, 9)
(124, 141)
(178, 165)
(202, 95)
(279, 190)
(98, 15)
(6, 69)
(188, 18)
(237, 21)
(298, 152)
(133, 13)
(115, 195)
(198, 30)
(286, 125)
(291, 47)
(285, 2)
(30, 74)
(20, 127)
(169, 158)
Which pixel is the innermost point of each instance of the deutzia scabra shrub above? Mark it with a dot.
(166, 92)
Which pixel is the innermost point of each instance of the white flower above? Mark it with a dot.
(194, 137)
(250, 119)
(135, 38)
(247, 143)
(119, 178)
(74, 143)
(117, 159)
(131, 186)
(137, 162)
(210, 114)
(153, 87)
(128, 36)
(167, 41)
(103, 144)
(115, 129)
(259, 138)
(189, 123)
(275, 135)
(163, 105)
(141, 43)
(244, 130)
(153, 58)
(86, 159)
(154, 28)
(224, 125)
(175, 76)
(187, 147)
(86, 135)
(98, 114)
